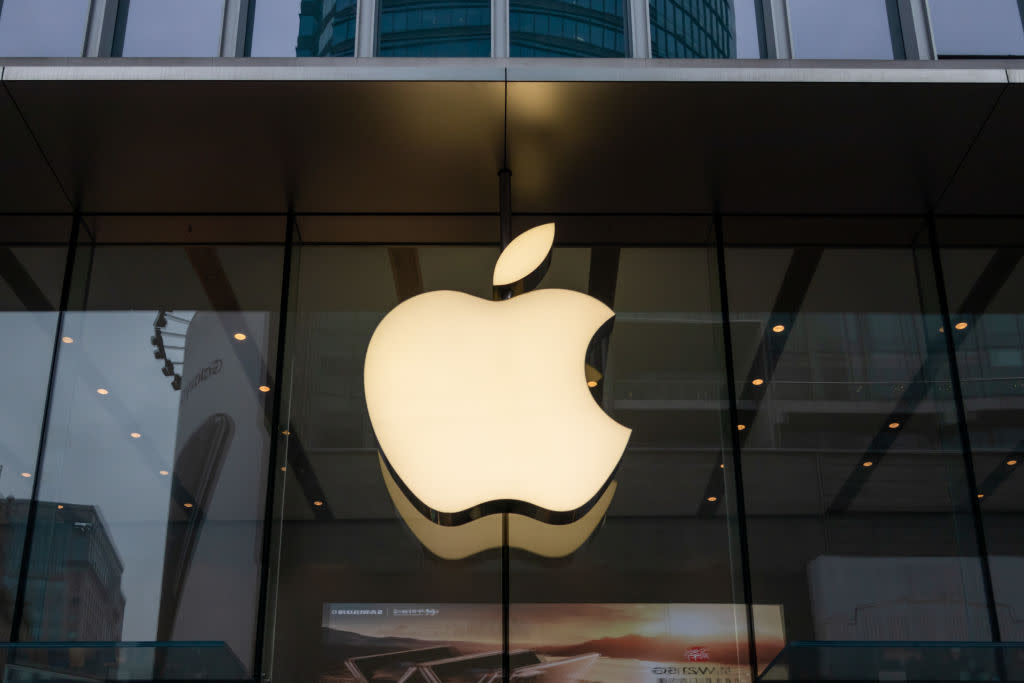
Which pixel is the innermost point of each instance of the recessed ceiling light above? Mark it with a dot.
(778, 328)
(961, 325)
(67, 340)
(60, 507)
(188, 505)
(264, 388)
(757, 382)
(721, 465)
(286, 432)
(712, 499)
(318, 503)
(867, 463)
(284, 469)
(894, 425)
(740, 427)
(240, 336)
(942, 329)
(102, 392)
(1011, 463)
(981, 495)
(164, 473)
(26, 474)
(592, 383)
(135, 435)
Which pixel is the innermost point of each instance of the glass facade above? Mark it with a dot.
(43, 28)
(435, 28)
(837, 29)
(156, 28)
(567, 28)
(979, 28)
(825, 439)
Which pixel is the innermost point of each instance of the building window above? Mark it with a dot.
(715, 29)
(977, 28)
(567, 28)
(157, 28)
(43, 28)
(840, 29)
(434, 28)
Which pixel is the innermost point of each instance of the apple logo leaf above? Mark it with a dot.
(523, 263)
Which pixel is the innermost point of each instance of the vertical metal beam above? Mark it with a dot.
(737, 469)
(638, 21)
(777, 38)
(18, 613)
(99, 32)
(233, 30)
(367, 13)
(499, 28)
(278, 441)
(915, 21)
(965, 437)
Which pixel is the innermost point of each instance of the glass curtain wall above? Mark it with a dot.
(149, 516)
(859, 509)
(984, 278)
(831, 491)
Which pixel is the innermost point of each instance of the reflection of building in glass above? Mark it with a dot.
(567, 28)
(327, 28)
(77, 572)
(693, 28)
(434, 28)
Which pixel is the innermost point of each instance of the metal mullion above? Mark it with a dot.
(778, 43)
(915, 22)
(233, 30)
(638, 19)
(99, 31)
(500, 40)
(367, 15)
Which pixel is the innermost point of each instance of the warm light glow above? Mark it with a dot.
(26, 474)
(135, 435)
(722, 465)
(591, 384)
(894, 425)
(712, 499)
(164, 473)
(981, 495)
(867, 463)
(757, 382)
(60, 507)
(1011, 463)
(102, 392)
(489, 383)
(778, 328)
(526, 533)
(318, 503)
(284, 469)
(942, 329)
(741, 427)
(961, 325)
(264, 388)
(188, 505)
(240, 336)
(523, 254)
(286, 432)
(67, 340)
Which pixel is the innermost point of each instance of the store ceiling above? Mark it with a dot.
(583, 136)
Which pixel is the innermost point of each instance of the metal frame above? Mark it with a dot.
(777, 42)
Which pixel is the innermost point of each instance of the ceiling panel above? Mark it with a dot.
(26, 183)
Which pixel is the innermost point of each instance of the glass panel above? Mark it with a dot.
(986, 300)
(152, 492)
(183, 28)
(859, 514)
(358, 569)
(979, 27)
(840, 29)
(567, 28)
(311, 28)
(30, 284)
(434, 28)
(43, 28)
(717, 29)
(654, 587)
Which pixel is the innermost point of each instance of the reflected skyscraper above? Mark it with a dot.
(327, 28)
(688, 29)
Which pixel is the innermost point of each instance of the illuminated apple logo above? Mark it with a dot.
(483, 406)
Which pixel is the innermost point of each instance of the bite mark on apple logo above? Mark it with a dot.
(483, 406)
